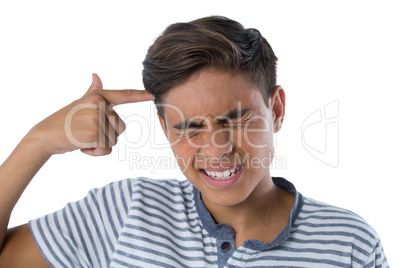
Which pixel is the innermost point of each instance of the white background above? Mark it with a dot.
(347, 53)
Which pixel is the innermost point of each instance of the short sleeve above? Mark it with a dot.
(84, 233)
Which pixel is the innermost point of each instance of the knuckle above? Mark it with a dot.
(121, 127)
(113, 142)
(112, 137)
(96, 99)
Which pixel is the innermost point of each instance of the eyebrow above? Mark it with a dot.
(232, 114)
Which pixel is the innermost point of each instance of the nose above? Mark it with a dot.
(219, 144)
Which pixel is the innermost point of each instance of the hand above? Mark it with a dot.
(89, 124)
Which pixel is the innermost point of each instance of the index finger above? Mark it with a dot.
(123, 96)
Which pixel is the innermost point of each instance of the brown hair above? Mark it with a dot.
(186, 48)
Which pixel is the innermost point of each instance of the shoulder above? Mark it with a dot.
(336, 225)
(324, 214)
(126, 194)
(161, 192)
(322, 210)
(129, 186)
(162, 186)
(161, 202)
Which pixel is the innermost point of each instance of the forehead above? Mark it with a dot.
(212, 92)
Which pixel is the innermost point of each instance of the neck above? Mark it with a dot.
(261, 201)
(266, 210)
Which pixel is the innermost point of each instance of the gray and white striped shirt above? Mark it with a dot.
(164, 223)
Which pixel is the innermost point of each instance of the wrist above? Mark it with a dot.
(34, 144)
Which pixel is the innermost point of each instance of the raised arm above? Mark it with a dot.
(89, 124)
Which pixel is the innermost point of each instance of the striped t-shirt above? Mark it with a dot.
(164, 223)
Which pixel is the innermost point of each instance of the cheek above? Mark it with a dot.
(259, 149)
(256, 139)
(184, 154)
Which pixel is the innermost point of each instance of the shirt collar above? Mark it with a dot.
(224, 231)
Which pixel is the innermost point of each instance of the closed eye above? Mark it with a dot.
(189, 128)
(189, 132)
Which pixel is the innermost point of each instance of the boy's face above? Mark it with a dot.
(221, 132)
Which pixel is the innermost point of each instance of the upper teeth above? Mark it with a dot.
(225, 174)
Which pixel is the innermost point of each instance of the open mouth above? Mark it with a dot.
(223, 174)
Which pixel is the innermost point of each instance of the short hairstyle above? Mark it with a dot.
(184, 49)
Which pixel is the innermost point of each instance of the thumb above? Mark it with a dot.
(96, 83)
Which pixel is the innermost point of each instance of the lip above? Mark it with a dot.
(222, 183)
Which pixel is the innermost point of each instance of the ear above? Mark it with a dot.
(277, 105)
(163, 125)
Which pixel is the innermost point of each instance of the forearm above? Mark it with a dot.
(87, 124)
(15, 175)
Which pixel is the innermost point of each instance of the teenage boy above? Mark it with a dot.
(214, 85)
